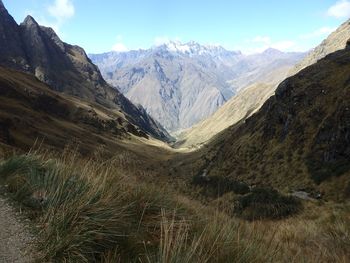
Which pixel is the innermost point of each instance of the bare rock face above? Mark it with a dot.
(11, 49)
(65, 68)
(45, 56)
(180, 84)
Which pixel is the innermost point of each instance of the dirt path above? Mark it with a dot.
(15, 238)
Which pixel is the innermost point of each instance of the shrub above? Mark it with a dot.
(90, 212)
(321, 170)
(79, 221)
(217, 186)
(266, 203)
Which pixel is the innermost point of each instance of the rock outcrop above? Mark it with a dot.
(11, 49)
(65, 68)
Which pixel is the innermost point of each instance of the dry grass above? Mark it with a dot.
(93, 211)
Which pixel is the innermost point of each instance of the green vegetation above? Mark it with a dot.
(217, 186)
(91, 211)
(251, 204)
(320, 171)
(263, 203)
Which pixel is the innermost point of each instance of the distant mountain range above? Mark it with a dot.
(248, 101)
(181, 84)
(298, 141)
(36, 49)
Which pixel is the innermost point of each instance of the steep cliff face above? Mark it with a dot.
(65, 68)
(299, 139)
(11, 49)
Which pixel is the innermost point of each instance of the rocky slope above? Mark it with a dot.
(182, 84)
(65, 68)
(11, 49)
(299, 139)
(335, 41)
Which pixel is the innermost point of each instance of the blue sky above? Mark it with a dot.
(247, 25)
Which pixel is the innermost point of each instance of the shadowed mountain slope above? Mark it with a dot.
(65, 68)
(30, 111)
(299, 139)
(252, 98)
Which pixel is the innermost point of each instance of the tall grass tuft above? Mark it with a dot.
(90, 211)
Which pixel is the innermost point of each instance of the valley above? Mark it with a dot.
(181, 84)
(182, 152)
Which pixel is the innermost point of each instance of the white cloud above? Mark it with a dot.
(120, 47)
(57, 14)
(61, 10)
(340, 9)
(323, 31)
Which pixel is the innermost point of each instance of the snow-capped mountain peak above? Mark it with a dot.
(192, 48)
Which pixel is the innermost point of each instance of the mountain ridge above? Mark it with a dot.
(38, 50)
(335, 41)
(181, 84)
(299, 139)
(248, 101)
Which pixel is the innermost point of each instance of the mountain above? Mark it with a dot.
(248, 101)
(31, 112)
(178, 84)
(270, 66)
(241, 106)
(298, 140)
(65, 68)
(11, 49)
(335, 41)
(181, 84)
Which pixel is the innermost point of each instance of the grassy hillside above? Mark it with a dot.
(118, 197)
(241, 106)
(88, 210)
(334, 42)
(31, 112)
(299, 140)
